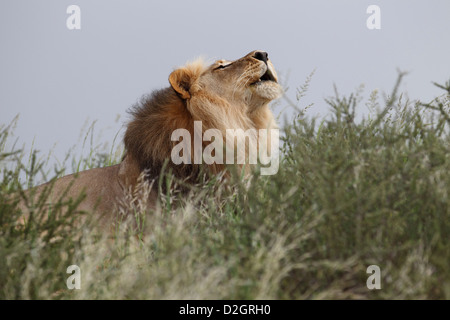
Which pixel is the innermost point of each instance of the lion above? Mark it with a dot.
(223, 95)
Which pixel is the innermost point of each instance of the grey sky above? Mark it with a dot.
(58, 78)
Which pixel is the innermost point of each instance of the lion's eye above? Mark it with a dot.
(222, 66)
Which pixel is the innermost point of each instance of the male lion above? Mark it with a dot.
(224, 95)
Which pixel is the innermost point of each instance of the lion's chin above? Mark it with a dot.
(267, 90)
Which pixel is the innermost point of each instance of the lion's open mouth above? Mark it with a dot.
(267, 76)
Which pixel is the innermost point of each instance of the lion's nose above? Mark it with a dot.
(261, 55)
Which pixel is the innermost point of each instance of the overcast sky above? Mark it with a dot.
(58, 79)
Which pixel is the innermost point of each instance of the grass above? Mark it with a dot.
(349, 194)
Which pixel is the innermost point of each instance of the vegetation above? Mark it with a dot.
(349, 194)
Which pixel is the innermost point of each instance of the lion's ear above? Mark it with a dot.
(180, 80)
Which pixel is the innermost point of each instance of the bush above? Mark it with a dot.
(349, 194)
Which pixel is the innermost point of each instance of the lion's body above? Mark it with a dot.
(98, 187)
(225, 95)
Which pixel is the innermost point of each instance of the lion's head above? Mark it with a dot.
(250, 82)
(223, 95)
